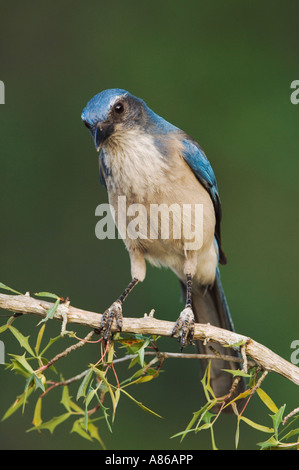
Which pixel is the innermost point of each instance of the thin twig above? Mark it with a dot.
(254, 389)
(290, 415)
(66, 352)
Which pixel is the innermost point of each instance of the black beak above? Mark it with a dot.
(102, 132)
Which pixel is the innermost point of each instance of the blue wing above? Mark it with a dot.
(201, 167)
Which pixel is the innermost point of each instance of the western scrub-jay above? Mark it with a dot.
(151, 162)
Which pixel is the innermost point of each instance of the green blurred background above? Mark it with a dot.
(222, 72)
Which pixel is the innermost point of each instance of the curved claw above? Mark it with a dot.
(113, 312)
(184, 327)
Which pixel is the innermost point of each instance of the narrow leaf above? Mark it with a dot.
(94, 433)
(257, 426)
(23, 340)
(269, 443)
(39, 339)
(20, 365)
(17, 404)
(236, 372)
(37, 419)
(78, 428)
(277, 419)
(267, 400)
(102, 376)
(3, 286)
(3, 328)
(294, 432)
(50, 312)
(38, 382)
(51, 341)
(140, 404)
(84, 384)
(65, 399)
(237, 435)
(47, 294)
(52, 424)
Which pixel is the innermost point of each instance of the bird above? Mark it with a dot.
(152, 163)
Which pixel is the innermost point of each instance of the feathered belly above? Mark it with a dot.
(162, 211)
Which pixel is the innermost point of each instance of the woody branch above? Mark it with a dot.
(263, 356)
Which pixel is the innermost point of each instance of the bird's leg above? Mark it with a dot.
(115, 312)
(184, 327)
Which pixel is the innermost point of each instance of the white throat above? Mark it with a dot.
(134, 162)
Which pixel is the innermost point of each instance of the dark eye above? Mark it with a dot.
(119, 108)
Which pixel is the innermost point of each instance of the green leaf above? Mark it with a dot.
(79, 429)
(239, 397)
(140, 404)
(110, 353)
(183, 433)
(288, 425)
(134, 361)
(197, 415)
(257, 426)
(102, 376)
(51, 341)
(94, 433)
(292, 433)
(208, 419)
(93, 392)
(206, 416)
(38, 382)
(84, 384)
(21, 366)
(76, 407)
(141, 350)
(17, 404)
(65, 399)
(39, 338)
(3, 286)
(3, 328)
(267, 400)
(52, 424)
(37, 419)
(47, 294)
(208, 391)
(106, 416)
(50, 312)
(143, 379)
(235, 345)
(277, 419)
(237, 435)
(117, 397)
(236, 372)
(23, 340)
(269, 443)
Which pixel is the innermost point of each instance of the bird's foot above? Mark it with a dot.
(184, 327)
(113, 312)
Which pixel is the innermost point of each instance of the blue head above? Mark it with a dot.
(116, 111)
